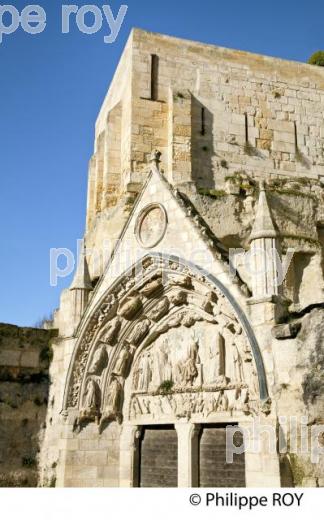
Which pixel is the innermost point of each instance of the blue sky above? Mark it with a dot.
(51, 88)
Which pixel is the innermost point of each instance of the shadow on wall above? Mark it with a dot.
(286, 474)
(320, 232)
(202, 144)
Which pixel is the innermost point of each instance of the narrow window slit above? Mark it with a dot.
(246, 128)
(154, 77)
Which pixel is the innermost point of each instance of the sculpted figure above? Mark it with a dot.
(220, 317)
(100, 361)
(159, 406)
(190, 371)
(209, 302)
(136, 408)
(147, 405)
(129, 307)
(179, 298)
(243, 346)
(164, 365)
(91, 408)
(160, 309)
(139, 332)
(222, 402)
(245, 398)
(110, 302)
(217, 360)
(172, 400)
(145, 372)
(111, 334)
(181, 281)
(114, 396)
(189, 319)
(199, 405)
(152, 288)
(92, 396)
(238, 365)
(122, 362)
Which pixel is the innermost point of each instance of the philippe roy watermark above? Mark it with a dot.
(293, 436)
(257, 261)
(89, 19)
(63, 261)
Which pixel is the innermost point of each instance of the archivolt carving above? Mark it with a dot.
(165, 342)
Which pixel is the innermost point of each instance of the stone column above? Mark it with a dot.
(129, 453)
(188, 450)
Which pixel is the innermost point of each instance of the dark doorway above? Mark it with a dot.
(158, 460)
(214, 471)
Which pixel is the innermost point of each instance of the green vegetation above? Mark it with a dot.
(166, 387)
(317, 59)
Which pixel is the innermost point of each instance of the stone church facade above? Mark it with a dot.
(196, 310)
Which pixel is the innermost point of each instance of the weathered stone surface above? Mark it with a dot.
(25, 354)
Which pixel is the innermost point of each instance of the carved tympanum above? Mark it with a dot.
(180, 342)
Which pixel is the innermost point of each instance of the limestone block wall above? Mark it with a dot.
(25, 354)
(91, 460)
(262, 114)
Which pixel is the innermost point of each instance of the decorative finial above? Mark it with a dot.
(155, 158)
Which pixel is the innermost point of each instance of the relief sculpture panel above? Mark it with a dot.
(193, 370)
